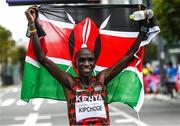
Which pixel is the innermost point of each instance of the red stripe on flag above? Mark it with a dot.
(55, 41)
(30, 52)
(113, 48)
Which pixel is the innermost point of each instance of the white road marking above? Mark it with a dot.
(40, 117)
(123, 120)
(31, 119)
(7, 90)
(38, 124)
(64, 102)
(116, 111)
(1, 94)
(50, 101)
(16, 125)
(44, 117)
(20, 118)
(44, 124)
(15, 89)
(37, 103)
(8, 102)
(21, 102)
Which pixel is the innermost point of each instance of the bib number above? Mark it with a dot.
(85, 110)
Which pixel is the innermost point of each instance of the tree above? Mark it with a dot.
(150, 52)
(8, 50)
(6, 44)
(167, 13)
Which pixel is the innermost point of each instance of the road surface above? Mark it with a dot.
(43, 112)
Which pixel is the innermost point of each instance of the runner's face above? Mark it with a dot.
(85, 62)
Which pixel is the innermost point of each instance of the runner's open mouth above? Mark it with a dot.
(87, 70)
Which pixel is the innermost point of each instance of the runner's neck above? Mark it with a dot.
(86, 81)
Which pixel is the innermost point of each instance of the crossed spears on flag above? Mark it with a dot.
(86, 32)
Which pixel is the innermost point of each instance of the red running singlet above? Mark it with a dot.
(87, 104)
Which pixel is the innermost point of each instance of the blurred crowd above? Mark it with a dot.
(171, 79)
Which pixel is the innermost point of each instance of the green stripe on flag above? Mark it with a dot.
(125, 87)
(30, 80)
(38, 83)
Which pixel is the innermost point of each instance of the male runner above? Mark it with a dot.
(85, 94)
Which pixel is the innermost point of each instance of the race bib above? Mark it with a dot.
(85, 110)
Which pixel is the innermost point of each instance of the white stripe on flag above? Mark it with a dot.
(100, 68)
(152, 32)
(120, 33)
(57, 23)
(60, 61)
(105, 32)
(32, 61)
(88, 31)
(55, 60)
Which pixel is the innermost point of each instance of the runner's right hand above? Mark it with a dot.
(31, 14)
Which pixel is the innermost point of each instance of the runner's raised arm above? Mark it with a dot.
(109, 73)
(63, 77)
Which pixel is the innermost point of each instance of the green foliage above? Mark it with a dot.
(6, 44)
(8, 48)
(167, 13)
(150, 52)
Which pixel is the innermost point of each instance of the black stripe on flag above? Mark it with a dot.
(119, 20)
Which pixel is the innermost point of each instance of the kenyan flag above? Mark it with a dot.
(106, 30)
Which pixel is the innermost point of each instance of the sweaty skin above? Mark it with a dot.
(84, 60)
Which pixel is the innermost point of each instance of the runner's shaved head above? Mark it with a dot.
(80, 52)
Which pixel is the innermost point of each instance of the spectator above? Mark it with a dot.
(171, 79)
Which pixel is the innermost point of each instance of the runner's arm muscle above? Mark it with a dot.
(110, 73)
(63, 77)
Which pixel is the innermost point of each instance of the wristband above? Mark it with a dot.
(32, 31)
(144, 29)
